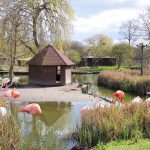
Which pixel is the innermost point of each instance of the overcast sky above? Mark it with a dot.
(103, 16)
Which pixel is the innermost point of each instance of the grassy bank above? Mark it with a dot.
(102, 68)
(103, 125)
(16, 68)
(128, 81)
(142, 144)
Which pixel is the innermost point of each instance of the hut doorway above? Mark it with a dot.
(58, 70)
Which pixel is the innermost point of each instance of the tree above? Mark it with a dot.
(33, 21)
(12, 33)
(99, 45)
(78, 46)
(48, 20)
(129, 30)
(74, 56)
(145, 24)
(122, 51)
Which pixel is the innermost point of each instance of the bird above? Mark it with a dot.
(137, 100)
(119, 96)
(12, 94)
(5, 81)
(33, 109)
(2, 112)
(14, 80)
(15, 94)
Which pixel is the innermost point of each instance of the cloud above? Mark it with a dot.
(105, 22)
(117, 1)
(142, 3)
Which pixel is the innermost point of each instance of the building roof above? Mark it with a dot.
(50, 56)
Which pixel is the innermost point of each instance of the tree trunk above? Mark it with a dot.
(11, 70)
(119, 64)
(13, 55)
(29, 48)
(35, 33)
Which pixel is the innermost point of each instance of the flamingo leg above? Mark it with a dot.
(115, 100)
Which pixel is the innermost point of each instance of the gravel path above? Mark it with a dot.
(68, 93)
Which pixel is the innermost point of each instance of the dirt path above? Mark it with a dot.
(68, 93)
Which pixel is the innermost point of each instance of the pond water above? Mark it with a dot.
(103, 91)
(50, 130)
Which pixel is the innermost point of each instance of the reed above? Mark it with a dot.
(10, 137)
(103, 125)
(128, 81)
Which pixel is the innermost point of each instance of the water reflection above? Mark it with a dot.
(48, 131)
(106, 92)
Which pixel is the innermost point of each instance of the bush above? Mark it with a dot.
(103, 125)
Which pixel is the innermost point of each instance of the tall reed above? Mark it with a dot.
(126, 81)
(102, 125)
(10, 137)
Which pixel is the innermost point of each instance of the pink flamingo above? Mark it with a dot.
(33, 109)
(5, 81)
(119, 96)
(12, 94)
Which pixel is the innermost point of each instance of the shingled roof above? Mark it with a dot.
(50, 56)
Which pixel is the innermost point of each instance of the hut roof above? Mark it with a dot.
(50, 56)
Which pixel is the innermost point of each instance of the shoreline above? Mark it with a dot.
(67, 93)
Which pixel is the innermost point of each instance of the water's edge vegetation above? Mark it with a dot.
(125, 81)
(103, 125)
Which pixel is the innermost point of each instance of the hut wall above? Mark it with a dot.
(68, 74)
(62, 76)
(42, 75)
(65, 75)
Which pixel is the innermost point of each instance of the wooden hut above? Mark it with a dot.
(50, 67)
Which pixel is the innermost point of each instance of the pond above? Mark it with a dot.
(103, 91)
(50, 131)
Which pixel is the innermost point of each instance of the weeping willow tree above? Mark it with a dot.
(12, 31)
(34, 23)
(47, 20)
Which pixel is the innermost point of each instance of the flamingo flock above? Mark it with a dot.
(33, 108)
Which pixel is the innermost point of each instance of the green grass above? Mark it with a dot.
(143, 144)
(16, 68)
(101, 68)
(4, 67)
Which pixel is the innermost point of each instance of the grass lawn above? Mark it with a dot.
(143, 144)
(16, 68)
(101, 68)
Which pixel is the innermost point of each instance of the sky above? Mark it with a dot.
(103, 16)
